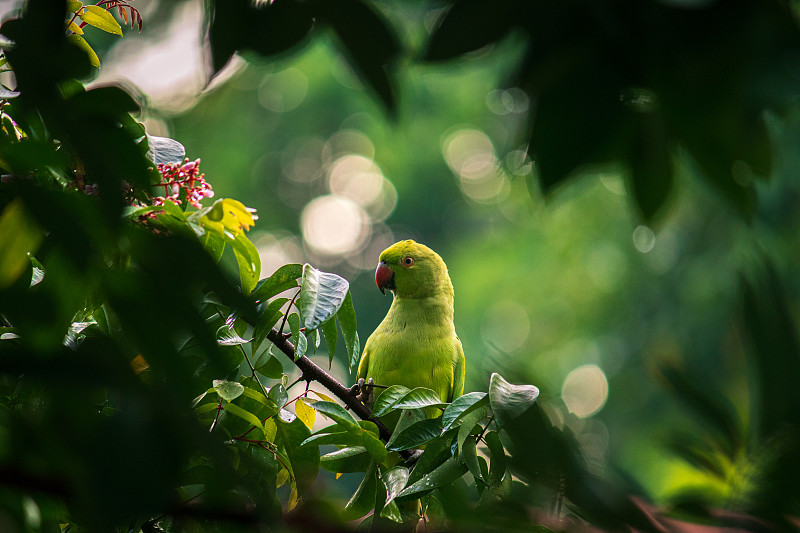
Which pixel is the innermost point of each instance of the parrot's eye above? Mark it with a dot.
(408, 261)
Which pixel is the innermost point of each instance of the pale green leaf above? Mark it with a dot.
(508, 400)
(321, 296)
(228, 390)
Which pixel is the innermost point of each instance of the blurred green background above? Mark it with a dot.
(570, 291)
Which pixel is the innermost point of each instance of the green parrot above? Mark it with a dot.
(416, 344)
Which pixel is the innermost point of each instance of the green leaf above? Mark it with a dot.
(228, 390)
(19, 237)
(298, 338)
(436, 452)
(395, 481)
(417, 434)
(338, 438)
(499, 486)
(374, 445)
(463, 405)
(271, 368)
(350, 459)
(287, 22)
(509, 401)
(469, 426)
(330, 333)
(267, 319)
(337, 413)
(392, 512)
(355, 23)
(248, 260)
(442, 475)
(229, 337)
(284, 278)
(346, 317)
(249, 417)
(650, 165)
(304, 459)
(413, 399)
(498, 466)
(471, 25)
(100, 18)
(469, 456)
(407, 418)
(363, 501)
(278, 395)
(321, 296)
(385, 400)
(214, 243)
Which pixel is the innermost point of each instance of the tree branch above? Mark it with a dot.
(313, 372)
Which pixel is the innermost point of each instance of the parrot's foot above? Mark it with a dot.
(364, 391)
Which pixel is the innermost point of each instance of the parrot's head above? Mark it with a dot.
(412, 270)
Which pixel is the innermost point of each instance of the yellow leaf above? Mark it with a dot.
(305, 413)
(19, 237)
(293, 498)
(139, 364)
(323, 396)
(81, 42)
(283, 477)
(74, 28)
(100, 18)
(229, 216)
(338, 475)
(73, 5)
(270, 430)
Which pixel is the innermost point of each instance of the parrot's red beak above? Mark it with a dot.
(384, 277)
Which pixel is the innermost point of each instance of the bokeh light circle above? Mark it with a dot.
(334, 225)
(585, 390)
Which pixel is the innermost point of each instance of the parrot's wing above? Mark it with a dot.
(459, 369)
(363, 365)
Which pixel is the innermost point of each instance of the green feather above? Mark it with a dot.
(416, 344)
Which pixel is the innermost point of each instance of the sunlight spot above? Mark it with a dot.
(644, 239)
(357, 178)
(334, 225)
(505, 101)
(585, 390)
(471, 156)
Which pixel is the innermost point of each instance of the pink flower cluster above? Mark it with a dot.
(184, 177)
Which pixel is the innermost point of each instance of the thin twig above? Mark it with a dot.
(216, 418)
(313, 372)
(286, 315)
